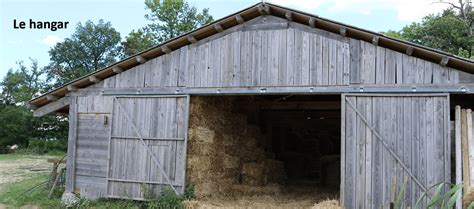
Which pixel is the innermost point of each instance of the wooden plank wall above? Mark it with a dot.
(161, 124)
(263, 53)
(93, 127)
(413, 127)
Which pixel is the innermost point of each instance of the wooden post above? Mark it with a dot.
(71, 145)
(465, 150)
(458, 149)
(470, 142)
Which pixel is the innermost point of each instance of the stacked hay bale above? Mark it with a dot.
(224, 151)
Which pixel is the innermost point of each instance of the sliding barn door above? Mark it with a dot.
(147, 146)
(393, 146)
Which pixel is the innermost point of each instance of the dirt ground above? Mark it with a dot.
(16, 168)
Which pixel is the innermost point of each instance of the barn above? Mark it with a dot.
(264, 99)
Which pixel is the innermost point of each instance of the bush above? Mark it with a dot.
(46, 146)
(167, 198)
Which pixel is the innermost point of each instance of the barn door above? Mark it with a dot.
(147, 146)
(391, 145)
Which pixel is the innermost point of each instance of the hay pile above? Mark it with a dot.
(224, 150)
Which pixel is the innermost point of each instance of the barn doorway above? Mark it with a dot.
(273, 150)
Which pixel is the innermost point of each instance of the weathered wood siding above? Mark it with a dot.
(415, 128)
(161, 123)
(91, 145)
(269, 52)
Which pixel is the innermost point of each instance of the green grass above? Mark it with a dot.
(25, 155)
(17, 194)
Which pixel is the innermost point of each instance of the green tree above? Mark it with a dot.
(17, 124)
(450, 31)
(169, 18)
(91, 47)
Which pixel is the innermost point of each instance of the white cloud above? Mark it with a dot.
(407, 10)
(51, 40)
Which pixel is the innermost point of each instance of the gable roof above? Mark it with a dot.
(423, 52)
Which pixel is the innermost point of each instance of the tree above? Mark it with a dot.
(17, 124)
(21, 85)
(91, 47)
(169, 18)
(449, 31)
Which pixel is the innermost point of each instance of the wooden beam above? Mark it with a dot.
(31, 106)
(239, 19)
(51, 107)
(51, 97)
(140, 59)
(192, 39)
(165, 49)
(300, 105)
(218, 27)
(375, 40)
(263, 10)
(444, 61)
(71, 147)
(94, 79)
(71, 88)
(117, 69)
(289, 16)
(409, 51)
(312, 22)
(343, 31)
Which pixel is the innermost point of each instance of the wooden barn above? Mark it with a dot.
(266, 96)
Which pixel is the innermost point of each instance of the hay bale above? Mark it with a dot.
(202, 134)
(253, 174)
(327, 204)
(468, 198)
(230, 162)
(270, 189)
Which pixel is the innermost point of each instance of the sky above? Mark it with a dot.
(126, 15)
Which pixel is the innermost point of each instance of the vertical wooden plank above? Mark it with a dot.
(453, 75)
(228, 67)
(282, 55)
(470, 142)
(343, 144)
(368, 154)
(408, 70)
(423, 147)
(390, 66)
(332, 62)
(325, 61)
(377, 154)
(420, 70)
(361, 151)
(380, 65)
(399, 143)
(368, 63)
(290, 55)
(266, 55)
(297, 71)
(399, 68)
(273, 46)
(408, 145)
(312, 61)
(444, 74)
(339, 63)
(439, 136)
(431, 143)
(415, 148)
(351, 155)
(355, 61)
(428, 73)
(237, 47)
(183, 62)
(446, 107)
(346, 65)
(458, 149)
(71, 145)
(215, 58)
(305, 54)
(257, 58)
(437, 74)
